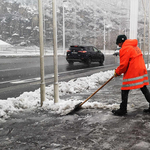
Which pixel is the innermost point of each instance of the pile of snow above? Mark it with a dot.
(31, 100)
(4, 44)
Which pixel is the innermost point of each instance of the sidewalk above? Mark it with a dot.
(88, 129)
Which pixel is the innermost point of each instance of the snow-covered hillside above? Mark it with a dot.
(84, 21)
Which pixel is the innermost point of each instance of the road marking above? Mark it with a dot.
(25, 81)
(31, 80)
(19, 81)
(10, 69)
(9, 81)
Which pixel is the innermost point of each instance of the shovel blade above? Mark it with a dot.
(76, 108)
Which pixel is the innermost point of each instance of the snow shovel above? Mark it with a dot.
(78, 106)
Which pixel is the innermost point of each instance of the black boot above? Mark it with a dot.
(119, 112)
(147, 110)
(123, 106)
(146, 93)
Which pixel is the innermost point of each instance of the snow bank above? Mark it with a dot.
(31, 100)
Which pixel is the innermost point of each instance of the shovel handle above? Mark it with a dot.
(97, 90)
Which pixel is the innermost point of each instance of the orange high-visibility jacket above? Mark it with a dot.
(132, 65)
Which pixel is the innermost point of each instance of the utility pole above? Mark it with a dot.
(41, 52)
(140, 42)
(144, 31)
(63, 28)
(104, 37)
(95, 38)
(75, 24)
(56, 91)
(133, 18)
(148, 39)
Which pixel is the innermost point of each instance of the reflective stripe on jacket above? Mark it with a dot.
(132, 65)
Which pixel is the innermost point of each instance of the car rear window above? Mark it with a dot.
(74, 48)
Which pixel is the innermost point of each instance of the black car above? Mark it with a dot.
(85, 54)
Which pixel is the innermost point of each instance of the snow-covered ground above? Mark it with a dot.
(27, 125)
(31, 100)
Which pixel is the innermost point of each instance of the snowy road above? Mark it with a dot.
(20, 74)
(26, 125)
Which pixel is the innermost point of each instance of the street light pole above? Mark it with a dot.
(104, 37)
(56, 93)
(41, 52)
(133, 18)
(148, 38)
(63, 29)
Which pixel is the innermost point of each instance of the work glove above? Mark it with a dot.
(115, 74)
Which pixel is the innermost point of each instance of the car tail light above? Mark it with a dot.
(68, 50)
(82, 51)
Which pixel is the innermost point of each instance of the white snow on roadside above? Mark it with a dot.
(31, 100)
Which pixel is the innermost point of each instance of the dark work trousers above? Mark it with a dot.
(124, 96)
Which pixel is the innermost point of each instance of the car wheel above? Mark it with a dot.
(70, 62)
(88, 61)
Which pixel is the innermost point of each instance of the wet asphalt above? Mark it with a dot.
(87, 129)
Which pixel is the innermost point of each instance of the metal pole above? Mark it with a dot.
(148, 39)
(41, 52)
(104, 37)
(75, 23)
(56, 93)
(140, 42)
(94, 26)
(133, 18)
(63, 29)
(125, 31)
(144, 34)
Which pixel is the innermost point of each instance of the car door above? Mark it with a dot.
(92, 53)
(97, 54)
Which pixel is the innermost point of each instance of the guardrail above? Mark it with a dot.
(27, 51)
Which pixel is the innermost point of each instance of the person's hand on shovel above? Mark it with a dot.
(115, 74)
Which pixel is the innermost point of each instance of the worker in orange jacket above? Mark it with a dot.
(135, 76)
